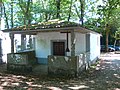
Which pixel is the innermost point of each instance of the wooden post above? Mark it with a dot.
(72, 43)
(12, 42)
(23, 42)
(30, 41)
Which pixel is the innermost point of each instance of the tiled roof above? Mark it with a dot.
(51, 25)
(47, 25)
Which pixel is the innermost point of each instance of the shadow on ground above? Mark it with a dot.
(105, 76)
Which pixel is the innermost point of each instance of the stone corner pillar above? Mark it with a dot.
(72, 43)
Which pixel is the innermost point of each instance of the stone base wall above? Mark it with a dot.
(19, 68)
(62, 65)
(68, 65)
(21, 61)
(83, 62)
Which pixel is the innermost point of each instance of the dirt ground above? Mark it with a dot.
(104, 76)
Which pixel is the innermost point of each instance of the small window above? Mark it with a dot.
(59, 48)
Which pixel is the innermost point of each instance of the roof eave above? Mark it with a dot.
(62, 29)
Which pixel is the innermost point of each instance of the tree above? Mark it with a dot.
(58, 8)
(70, 10)
(12, 24)
(106, 11)
(80, 11)
(6, 17)
(1, 9)
(117, 36)
(82, 4)
(26, 11)
(25, 7)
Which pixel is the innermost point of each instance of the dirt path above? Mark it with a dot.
(106, 76)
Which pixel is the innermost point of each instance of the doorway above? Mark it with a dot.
(58, 48)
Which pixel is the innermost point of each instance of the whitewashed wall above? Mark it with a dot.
(94, 46)
(43, 44)
(80, 43)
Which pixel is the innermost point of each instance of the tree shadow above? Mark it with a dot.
(105, 76)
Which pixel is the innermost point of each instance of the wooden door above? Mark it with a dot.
(59, 48)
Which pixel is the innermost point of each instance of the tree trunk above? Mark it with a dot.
(115, 42)
(12, 35)
(0, 10)
(107, 35)
(77, 12)
(72, 43)
(6, 18)
(70, 10)
(82, 11)
(27, 21)
(30, 42)
(58, 8)
(23, 42)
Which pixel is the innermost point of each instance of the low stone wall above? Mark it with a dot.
(83, 62)
(21, 62)
(60, 65)
(15, 58)
(68, 65)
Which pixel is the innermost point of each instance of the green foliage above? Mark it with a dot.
(117, 34)
(95, 18)
(109, 11)
(109, 14)
(102, 16)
